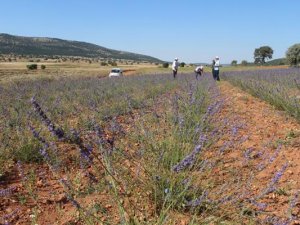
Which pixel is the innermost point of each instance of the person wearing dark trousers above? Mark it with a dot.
(198, 71)
(212, 68)
(175, 67)
(216, 68)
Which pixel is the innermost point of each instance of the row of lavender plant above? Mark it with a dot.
(280, 87)
(172, 146)
(182, 177)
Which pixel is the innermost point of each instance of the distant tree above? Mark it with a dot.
(43, 67)
(182, 64)
(165, 65)
(262, 53)
(32, 66)
(244, 63)
(293, 55)
(113, 64)
(234, 62)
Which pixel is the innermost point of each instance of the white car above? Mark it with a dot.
(116, 72)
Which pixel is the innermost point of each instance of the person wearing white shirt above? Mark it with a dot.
(216, 68)
(175, 67)
(198, 71)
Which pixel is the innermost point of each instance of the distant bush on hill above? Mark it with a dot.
(103, 64)
(32, 66)
(165, 65)
(244, 63)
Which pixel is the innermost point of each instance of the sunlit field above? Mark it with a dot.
(140, 149)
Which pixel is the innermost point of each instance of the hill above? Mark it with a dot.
(44, 46)
(277, 62)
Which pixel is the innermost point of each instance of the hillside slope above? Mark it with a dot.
(10, 44)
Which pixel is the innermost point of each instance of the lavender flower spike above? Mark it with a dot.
(190, 158)
(51, 127)
(6, 192)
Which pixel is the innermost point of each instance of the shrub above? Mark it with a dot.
(103, 64)
(234, 62)
(293, 55)
(182, 64)
(43, 67)
(29, 152)
(244, 63)
(32, 66)
(114, 64)
(165, 65)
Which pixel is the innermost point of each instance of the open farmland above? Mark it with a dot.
(11, 71)
(148, 149)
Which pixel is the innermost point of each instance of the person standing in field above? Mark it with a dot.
(175, 67)
(216, 68)
(212, 67)
(198, 71)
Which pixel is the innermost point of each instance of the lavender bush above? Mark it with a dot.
(280, 87)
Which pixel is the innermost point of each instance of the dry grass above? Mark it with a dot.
(12, 71)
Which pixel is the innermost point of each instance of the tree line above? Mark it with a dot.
(264, 53)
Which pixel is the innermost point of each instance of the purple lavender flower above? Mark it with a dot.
(190, 158)
(73, 202)
(51, 127)
(6, 217)
(7, 192)
(247, 153)
(272, 185)
(274, 156)
(43, 150)
(198, 201)
(260, 206)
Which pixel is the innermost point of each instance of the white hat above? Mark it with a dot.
(217, 57)
(176, 59)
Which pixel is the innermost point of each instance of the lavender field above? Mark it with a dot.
(143, 150)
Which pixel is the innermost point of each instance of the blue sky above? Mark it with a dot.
(192, 30)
